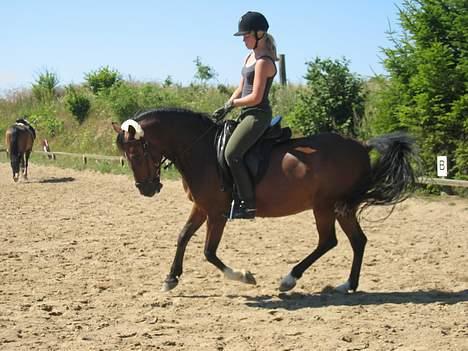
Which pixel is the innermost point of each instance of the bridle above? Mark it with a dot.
(154, 177)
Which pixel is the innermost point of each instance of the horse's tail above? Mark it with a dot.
(13, 149)
(392, 177)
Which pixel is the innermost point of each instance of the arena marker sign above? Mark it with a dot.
(442, 166)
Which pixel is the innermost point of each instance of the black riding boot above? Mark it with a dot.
(242, 209)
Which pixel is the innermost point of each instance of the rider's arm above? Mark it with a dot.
(238, 90)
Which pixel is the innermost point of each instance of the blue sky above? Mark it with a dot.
(150, 40)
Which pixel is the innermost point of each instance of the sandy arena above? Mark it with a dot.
(83, 257)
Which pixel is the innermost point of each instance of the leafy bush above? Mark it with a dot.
(332, 101)
(45, 122)
(123, 101)
(77, 103)
(101, 80)
(44, 89)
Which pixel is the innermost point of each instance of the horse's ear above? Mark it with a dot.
(131, 133)
(116, 127)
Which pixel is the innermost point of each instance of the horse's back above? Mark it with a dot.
(319, 169)
(20, 134)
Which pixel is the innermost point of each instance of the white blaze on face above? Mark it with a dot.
(139, 133)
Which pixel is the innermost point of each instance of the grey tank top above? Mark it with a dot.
(248, 73)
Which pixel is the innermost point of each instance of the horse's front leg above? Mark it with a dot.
(214, 232)
(196, 219)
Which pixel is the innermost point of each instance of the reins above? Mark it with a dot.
(170, 163)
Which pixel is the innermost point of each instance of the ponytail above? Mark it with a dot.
(270, 45)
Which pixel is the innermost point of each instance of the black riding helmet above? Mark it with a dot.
(252, 22)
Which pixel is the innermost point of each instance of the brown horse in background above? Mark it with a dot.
(328, 173)
(19, 141)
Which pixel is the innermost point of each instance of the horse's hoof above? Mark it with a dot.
(287, 283)
(169, 284)
(15, 179)
(249, 278)
(345, 288)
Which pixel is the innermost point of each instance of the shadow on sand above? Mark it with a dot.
(55, 180)
(296, 301)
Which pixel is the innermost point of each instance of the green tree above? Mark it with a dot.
(44, 88)
(204, 73)
(426, 92)
(332, 101)
(101, 80)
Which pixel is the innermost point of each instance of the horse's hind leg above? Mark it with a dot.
(358, 240)
(325, 221)
(196, 219)
(26, 164)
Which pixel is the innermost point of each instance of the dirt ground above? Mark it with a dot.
(83, 257)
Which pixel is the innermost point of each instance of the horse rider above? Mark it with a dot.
(258, 72)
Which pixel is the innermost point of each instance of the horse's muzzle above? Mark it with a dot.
(149, 188)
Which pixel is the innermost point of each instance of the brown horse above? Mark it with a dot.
(328, 173)
(19, 140)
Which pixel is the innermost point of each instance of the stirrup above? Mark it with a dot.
(241, 210)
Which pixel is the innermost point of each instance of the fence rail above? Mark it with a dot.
(86, 157)
(443, 181)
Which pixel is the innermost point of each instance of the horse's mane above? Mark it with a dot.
(174, 112)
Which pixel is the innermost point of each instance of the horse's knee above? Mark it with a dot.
(330, 243)
(210, 256)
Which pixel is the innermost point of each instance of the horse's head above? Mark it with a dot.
(144, 160)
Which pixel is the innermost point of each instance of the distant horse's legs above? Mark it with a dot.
(358, 240)
(15, 166)
(215, 228)
(26, 163)
(196, 219)
(325, 221)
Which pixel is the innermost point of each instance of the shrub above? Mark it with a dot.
(77, 103)
(123, 101)
(44, 89)
(332, 101)
(45, 121)
(101, 80)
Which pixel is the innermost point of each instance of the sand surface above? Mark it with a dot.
(83, 257)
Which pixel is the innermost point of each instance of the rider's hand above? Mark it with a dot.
(221, 112)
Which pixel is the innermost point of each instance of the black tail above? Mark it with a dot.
(392, 177)
(14, 150)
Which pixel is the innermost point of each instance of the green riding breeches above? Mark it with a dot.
(253, 123)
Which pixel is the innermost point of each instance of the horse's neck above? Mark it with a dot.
(184, 137)
(189, 143)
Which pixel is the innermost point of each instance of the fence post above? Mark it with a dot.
(282, 69)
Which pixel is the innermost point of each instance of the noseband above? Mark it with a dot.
(155, 167)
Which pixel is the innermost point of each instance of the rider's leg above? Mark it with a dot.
(243, 138)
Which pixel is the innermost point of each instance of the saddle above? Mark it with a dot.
(24, 124)
(257, 158)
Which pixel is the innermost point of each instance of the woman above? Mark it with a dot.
(252, 95)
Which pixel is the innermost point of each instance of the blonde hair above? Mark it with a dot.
(270, 44)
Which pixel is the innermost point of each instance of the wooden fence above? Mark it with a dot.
(84, 157)
(121, 160)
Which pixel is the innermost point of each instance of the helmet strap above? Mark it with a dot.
(257, 39)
